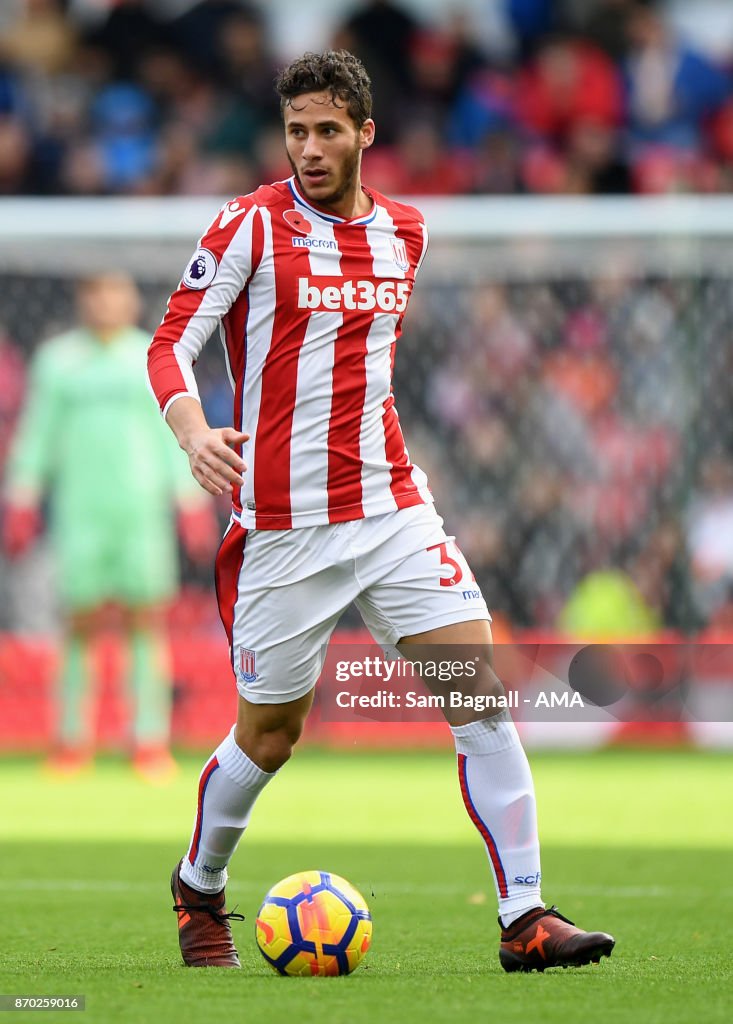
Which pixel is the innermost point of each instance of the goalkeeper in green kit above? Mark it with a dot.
(91, 438)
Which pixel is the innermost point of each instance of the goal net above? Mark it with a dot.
(564, 377)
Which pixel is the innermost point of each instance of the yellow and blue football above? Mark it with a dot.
(314, 923)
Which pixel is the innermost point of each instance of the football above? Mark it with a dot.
(314, 923)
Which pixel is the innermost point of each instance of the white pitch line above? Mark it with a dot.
(101, 885)
(383, 889)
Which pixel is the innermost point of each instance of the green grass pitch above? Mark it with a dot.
(639, 844)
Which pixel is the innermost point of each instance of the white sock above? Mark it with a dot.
(497, 789)
(228, 787)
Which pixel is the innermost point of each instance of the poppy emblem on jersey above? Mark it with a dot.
(247, 665)
(201, 270)
(399, 254)
(295, 220)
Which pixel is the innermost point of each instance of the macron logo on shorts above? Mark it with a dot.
(336, 294)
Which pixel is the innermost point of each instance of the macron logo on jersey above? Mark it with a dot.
(332, 294)
(230, 211)
(307, 242)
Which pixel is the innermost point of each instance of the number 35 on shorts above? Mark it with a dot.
(455, 568)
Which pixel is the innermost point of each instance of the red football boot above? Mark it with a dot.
(544, 938)
(204, 933)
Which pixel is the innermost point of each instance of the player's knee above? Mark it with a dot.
(269, 750)
(486, 681)
(273, 750)
(493, 684)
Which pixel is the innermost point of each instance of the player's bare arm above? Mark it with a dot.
(214, 463)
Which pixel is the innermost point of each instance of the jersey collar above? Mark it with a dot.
(330, 217)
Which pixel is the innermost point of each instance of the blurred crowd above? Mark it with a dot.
(553, 96)
(576, 429)
(576, 434)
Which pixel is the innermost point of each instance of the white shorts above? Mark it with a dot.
(281, 592)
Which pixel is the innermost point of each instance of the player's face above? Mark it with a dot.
(108, 303)
(324, 148)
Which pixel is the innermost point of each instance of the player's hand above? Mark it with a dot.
(214, 463)
(199, 531)
(21, 526)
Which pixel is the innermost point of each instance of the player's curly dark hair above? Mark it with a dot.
(336, 71)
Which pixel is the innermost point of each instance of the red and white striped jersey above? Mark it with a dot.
(310, 307)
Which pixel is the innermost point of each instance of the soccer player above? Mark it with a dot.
(91, 439)
(309, 279)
